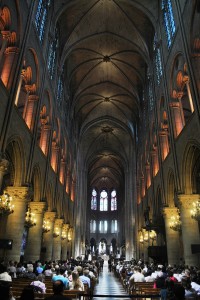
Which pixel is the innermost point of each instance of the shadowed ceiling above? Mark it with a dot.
(106, 47)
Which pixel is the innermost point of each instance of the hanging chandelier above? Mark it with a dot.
(6, 206)
(195, 212)
(46, 227)
(30, 219)
(175, 223)
(56, 232)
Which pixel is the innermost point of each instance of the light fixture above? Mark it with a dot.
(6, 206)
(64, 235)
(56, 232)
(152, 235)
(195, 212)
(69, 236)
(141, 237)
(46, 227)
(175, 223)
(30, 219)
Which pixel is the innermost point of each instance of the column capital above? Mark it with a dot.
(186, 201)
(169, 211)
(65, 227)
(37, 207)
(58, 223)
(19, 192)
(50, 215)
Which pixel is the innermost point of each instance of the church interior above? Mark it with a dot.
(100, 129)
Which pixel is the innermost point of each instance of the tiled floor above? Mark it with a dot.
(108, 285)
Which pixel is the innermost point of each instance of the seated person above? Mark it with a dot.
(5, 291)
(58, 289)
(39, 284)
(60, 276)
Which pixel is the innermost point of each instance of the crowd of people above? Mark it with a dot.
(68, 275)
(174, 282)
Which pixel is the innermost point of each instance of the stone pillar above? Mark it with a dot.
(57, 239)
(190, 228)
(30, 111)
(64, 243)
(148, 176)
(164, 143)
(172, 237)
(33, 249)
(177, 117)
(4, 164)
(62, 171)
(15, 224)
(48, 236)
(68, 182)
(155, 163)
(10, 60)
(44, 139)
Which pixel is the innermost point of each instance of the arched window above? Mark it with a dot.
(92, 226)
(157, 60)
(41, 17)
(52, 55)
(150, 94)
(94, 200)
(103, 201)
(114, 226)
(169, 22)
(103, 226)
(113, 200)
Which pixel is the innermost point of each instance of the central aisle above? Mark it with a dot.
(108, 285)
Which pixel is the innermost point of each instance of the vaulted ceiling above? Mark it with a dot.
(106, 47)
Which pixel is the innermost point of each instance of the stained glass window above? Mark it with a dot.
(113, 200)
(52, 55)
(169, 23)
(60, 89)
(94, 200)
(41, 17)
(157, 60)
(103, 201)
(92, 226)
(103, 226)
(113, 226)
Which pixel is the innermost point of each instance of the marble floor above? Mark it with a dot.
(108, 285)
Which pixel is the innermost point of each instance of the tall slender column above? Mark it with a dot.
(148, 176)
(164, 144)
(57, 239)
(44, 139)
(11, 54)
(177, 117)
(172, 237)
(68, 182)
(48, 236)
(155, 163)
(15, 224)
(33, 249)
(30, 111)
(64, 242)
(190, 229)
(4, 164)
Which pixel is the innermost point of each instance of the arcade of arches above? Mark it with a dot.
(100, 129)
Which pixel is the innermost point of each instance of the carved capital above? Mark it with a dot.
(168, 212)
(186, 201)
(37, 207)
(50, 216)
(58, 223)
(20, 193)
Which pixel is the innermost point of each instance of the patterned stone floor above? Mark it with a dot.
(108, 285)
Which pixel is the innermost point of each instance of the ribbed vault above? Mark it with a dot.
(106, 50)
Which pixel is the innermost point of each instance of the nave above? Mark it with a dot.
(108, 285)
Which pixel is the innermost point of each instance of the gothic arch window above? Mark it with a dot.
(51, 64)
(169, 23)
(93, 226)
(103, 226)
(114, 226)
(60, 93)
(157, 60)
(150, 94)
(113, 200)
(103, 201)
(41, 17)
(94, 200)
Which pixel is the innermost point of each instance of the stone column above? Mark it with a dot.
(10, 60)
(164, 144)
(15, 224)
(45, 136)
(33, 249)
(155, 163)
(48, 236)
(148, 176)
(30, 111)
(172, 237)
(64, 242)
(4, 164)
(177, 117)
(68, 182)
(57, 239)
(190, 228)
